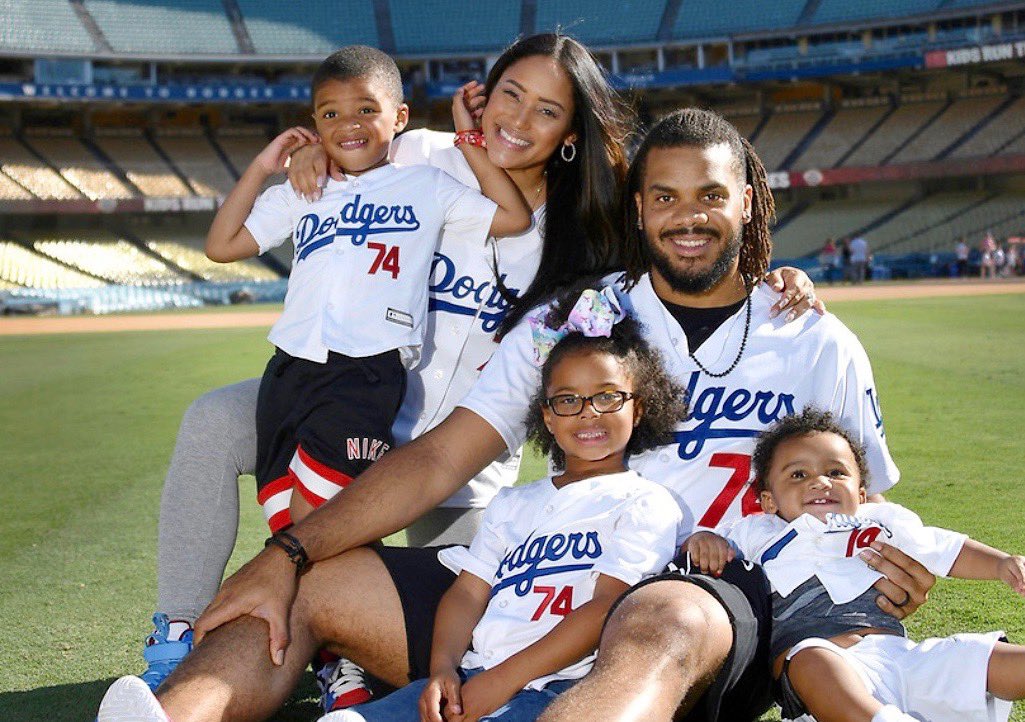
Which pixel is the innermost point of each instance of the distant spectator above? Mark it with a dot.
(999, 261)
(859, 259)
(1012, 261)
(845, 259)
(961, 251)
(827, 259)
(987, 265)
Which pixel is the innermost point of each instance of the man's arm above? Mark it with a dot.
(394, 491)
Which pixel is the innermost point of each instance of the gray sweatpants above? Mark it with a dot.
(199, 507)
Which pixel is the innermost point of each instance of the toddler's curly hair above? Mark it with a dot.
(811, 420)
(662, 399)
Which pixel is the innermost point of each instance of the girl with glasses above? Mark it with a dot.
(552, 556)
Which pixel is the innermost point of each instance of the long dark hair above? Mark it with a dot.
(702, 129)
(581, 235)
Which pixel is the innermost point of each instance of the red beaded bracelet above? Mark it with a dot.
(473, 137)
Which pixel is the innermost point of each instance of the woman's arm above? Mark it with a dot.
(570, 640)
(513, 214)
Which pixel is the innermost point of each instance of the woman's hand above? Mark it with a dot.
(308, 171)
(468, 106)
(798, 293)
(905, 584)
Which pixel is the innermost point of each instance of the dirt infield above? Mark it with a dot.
(256, 318)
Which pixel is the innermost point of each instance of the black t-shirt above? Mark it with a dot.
(700, 323)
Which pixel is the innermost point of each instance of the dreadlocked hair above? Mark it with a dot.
(702, 129)
(661, 398)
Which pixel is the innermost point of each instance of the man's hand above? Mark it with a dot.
(265, 587)
(709, 551)
(905, 584)
(482, 694)
(441, 696)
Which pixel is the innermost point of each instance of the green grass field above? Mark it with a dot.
(87, 423)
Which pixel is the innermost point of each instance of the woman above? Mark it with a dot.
(554, 124)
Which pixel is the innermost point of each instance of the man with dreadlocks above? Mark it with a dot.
(696, 245)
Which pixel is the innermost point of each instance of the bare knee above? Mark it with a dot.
(676, 621)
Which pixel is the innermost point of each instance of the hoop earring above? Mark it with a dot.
(572, 152)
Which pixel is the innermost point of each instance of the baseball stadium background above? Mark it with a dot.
(122, 122)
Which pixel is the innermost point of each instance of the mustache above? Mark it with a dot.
(698, 230)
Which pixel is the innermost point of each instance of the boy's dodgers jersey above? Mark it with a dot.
(792, 553)
(542, 548)
(785, 367)
(363, 254)
(465, 307)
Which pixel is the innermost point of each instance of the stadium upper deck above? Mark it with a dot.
(153, 28)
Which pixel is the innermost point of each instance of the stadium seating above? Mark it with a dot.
(193, 155)
(241, 145)
(781, 134)
(844, 11)
(130, 150)
(900, 125)
(923, 216)
(424, 26)
(835, 140)
(959, 117)
(314, 28)
(627, 21)
(745, 124)
(195, 261)
(32, 173)
(1000, 130)
(157, 26)
(709, 18)
(1001, 214)
(119, 262)
(79, 166)
(807, 232)
(21, 267)
(42, 25)
(11, 191)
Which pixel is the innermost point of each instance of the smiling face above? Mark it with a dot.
(593, 442)
(357, 119)
(815, 474)
(692, 205)
(529, 114)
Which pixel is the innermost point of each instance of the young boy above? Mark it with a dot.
(838, 657)
(355, 309)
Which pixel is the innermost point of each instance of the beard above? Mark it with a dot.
(695, 281)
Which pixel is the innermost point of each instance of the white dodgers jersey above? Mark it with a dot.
(784, 367)
(542, 548)
(363, 254)
(465, 308)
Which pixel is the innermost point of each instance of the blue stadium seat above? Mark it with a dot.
(321, 27)
(602, 21)
(709, 18)
(158, 26)
(841, 11)
(427, 26)
(42, 25)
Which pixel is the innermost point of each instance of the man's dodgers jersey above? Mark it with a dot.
(784, 367)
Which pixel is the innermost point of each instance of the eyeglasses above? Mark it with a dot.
(605, 402)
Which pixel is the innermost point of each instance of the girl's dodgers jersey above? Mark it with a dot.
(707, 467)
